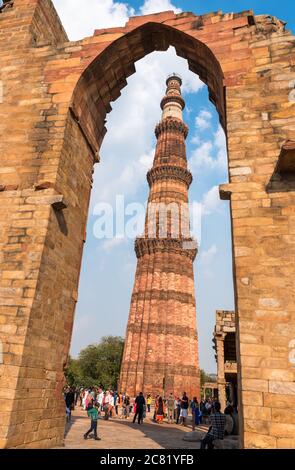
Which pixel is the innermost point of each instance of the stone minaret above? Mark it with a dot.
(161, 347)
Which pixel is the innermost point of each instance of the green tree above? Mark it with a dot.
(97, 364)
(73, 373)
(205, 377)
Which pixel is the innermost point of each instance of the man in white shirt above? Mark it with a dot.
(100, 397)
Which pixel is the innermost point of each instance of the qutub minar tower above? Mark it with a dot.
(161, 347)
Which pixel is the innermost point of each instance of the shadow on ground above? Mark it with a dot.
(162, 434)
(73, 421)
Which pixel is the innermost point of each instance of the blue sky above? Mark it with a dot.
(108, 266)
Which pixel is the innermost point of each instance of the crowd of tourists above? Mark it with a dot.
(108, 404)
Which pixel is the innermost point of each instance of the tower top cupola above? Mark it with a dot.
(173, 104)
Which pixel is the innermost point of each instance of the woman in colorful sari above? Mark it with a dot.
(159, 410)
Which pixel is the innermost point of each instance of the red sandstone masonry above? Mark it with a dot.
(163, 339)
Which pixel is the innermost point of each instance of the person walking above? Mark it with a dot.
(126, 406)
(202, 411)
(159, 410)
(111, 405)
(155, 409)
(177, 406)
(139, 403)
(93, 415)
(170, 408)
(195, 412)
(85, 392)
(100, 398)
(149, 402)
(184, 408)
(116, 402)
(69, 400)
(107, 404)
(87, 399)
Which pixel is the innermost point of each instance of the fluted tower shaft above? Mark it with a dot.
(161, 346)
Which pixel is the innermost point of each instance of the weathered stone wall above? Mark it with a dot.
(46, 27)
(47, 146)
(225, 323)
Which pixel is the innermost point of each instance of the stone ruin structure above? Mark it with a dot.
(55, 95)
(5, 4)
(224, 339)
(212, 388)
(161, 347)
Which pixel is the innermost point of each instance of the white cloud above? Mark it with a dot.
(207, 258)
(156, 6)
(202, 155)
(128, 149)
(208, 255)
(203, 120)
(220, 140)
(111, 243)
(80, 19)
(146, 160)
(211, 153)
(211, 201)
(127, 177)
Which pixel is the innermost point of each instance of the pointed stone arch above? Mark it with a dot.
(101, 82)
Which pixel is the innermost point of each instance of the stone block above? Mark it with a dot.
(286, 443)
(282, 387)
(253, 440)
(255, 385)
(282, 430)
(258, 413)
(252, 398)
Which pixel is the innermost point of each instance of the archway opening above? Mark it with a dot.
(90, 104)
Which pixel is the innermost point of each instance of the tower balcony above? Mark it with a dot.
(172, 98)
(165, 172)
(187, 246)
(171, 124)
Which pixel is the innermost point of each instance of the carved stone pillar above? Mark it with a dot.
(220, 371)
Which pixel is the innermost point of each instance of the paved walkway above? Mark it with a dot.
(123, 434)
